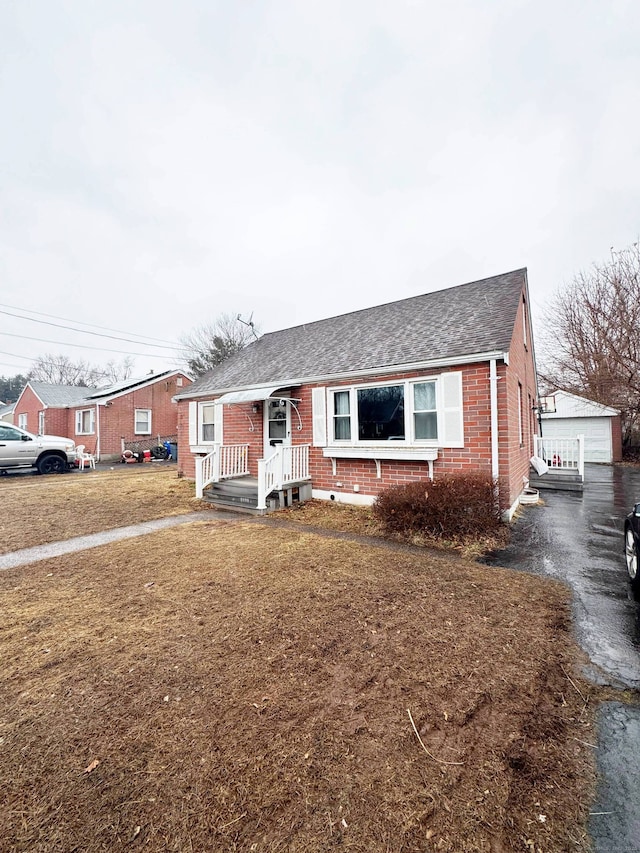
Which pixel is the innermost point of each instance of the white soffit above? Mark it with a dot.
(250, 396)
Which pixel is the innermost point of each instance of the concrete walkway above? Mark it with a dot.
(93, 540)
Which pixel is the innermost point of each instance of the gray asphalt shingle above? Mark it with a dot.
(59, 396)
(477, 317)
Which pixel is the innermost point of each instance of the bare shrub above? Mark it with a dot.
(449, 507)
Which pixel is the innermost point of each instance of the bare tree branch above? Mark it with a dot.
(211, 344)
(61, 370)
(589, 343)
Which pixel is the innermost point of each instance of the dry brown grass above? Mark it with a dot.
(360, 520)
(37, 510)
(238, 687)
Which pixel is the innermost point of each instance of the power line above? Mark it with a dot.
(84, 332)
(15, 355)
(81, 323)
(86, 346)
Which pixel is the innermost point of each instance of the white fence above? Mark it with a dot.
(224, 462)
(286, 466)
(562, 454)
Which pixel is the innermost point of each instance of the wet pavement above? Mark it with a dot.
(578, 539)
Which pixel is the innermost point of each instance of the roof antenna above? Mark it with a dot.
(249, 323)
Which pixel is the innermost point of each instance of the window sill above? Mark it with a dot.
(202, 448)
(403, 454)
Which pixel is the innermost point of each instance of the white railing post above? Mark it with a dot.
(581, 455)
(199, 477)
(262, 485)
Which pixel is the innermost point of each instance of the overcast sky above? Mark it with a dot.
(163, 162)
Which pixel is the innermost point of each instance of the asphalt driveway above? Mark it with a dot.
(579, 539)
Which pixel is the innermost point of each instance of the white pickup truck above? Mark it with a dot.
(50, 454)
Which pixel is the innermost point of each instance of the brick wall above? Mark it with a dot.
(28, 404)
(616, 438)
(117, 419)
(515, 454)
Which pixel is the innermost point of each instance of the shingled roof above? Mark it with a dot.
(59, 396)
(469, 319)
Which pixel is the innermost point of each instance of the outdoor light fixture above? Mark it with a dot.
(255, 408)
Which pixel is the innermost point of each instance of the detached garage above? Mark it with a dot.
(566, 415)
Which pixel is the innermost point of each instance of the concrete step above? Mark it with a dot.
(566, 481)
(240, 494)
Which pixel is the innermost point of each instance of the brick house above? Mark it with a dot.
(102, 418)
(344, 407)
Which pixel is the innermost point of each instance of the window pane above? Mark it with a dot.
(277, 429)
(342, 418)
(341, 403)
(143, 420)
(207, 416)
(426, 424)
(342, 429)
(425, 397)
(381, 413)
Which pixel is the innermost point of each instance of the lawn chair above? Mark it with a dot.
(85, 459)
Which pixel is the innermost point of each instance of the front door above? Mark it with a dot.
(277, 425)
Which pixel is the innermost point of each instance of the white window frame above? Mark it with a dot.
(137, 431)
(40, 423)
(410, 439)
(202, 423)
(80, 421)
(22, 420)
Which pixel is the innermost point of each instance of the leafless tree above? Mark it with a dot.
(61, 370)
(211, 344)
(590, 339)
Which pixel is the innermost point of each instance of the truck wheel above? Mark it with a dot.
(50, 463)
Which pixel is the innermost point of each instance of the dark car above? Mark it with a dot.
(632, 545)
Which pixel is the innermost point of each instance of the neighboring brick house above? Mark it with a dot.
(102, 418)
(437, 383)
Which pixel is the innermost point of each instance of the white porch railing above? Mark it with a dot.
(224, 461)
(562, 454)
(287, 465)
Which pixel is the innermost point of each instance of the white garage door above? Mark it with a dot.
(596, 431)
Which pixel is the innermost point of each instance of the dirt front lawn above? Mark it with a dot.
(230, 686)
(37, 510)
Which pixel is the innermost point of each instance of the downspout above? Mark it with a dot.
(98, 431)
(493, 392)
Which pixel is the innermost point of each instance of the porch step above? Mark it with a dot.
(240, 494)
(565, 481)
